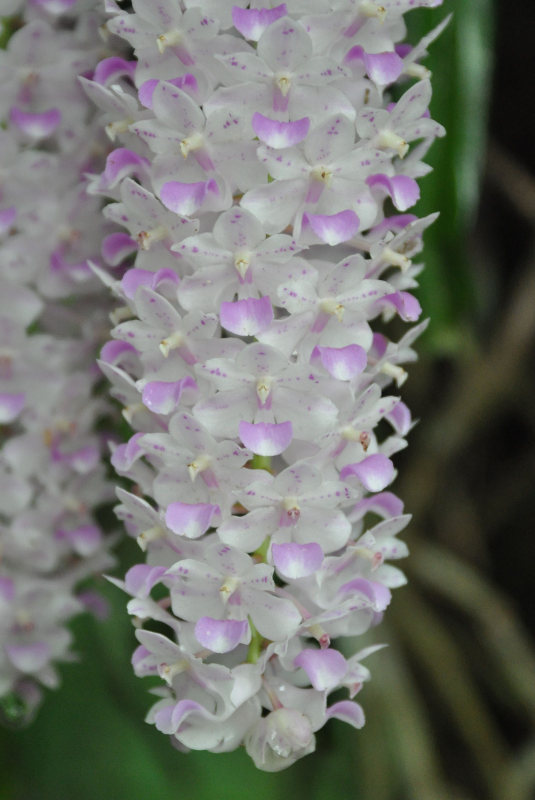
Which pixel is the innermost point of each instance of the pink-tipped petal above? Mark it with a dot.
(122, 163)
(140, 579)
(116, 247)
(7, 218)
(247, 317)
(325, 668)
(252, 22)
(374, 472)
(400, 418)
(221, 635)
(347, 711)
(343, 363)
(85, 539)
(10, 406)
(190, 519)
(187, 198)
(403, 190)
(294, 560)
(35, 125)
(28, 657)
(407, 306)
(162, 397)
(187, 82)
(266, 438)
(333, 229)
(280, 134)
(109, 70)
(383, 68)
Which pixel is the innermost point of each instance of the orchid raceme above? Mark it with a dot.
(52, 312)
(266, 159)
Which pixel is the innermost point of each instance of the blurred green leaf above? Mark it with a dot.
(461, 62)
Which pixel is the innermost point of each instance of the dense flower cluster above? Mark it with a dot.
(52, 310)
(262, 174)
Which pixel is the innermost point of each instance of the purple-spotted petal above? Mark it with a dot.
(247, 317)
(266, 438)
(374, 472)
(294, 560)
(11, 405)
(252, 22)
(190, 519)
(221, 635)
(162, 397)
(280, 134)
(342, 363)
(187, 198)
(35, 125)
(333, 229)
(325, 668)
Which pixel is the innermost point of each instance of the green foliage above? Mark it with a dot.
(461, 61)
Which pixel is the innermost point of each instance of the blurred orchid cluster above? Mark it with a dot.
(261, 162)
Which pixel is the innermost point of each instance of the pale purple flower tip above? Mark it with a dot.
(109, 70)
(403, 190)
(252, 22)
(162, 397)
(140, 579)
(28, 657)
(266, 438)
(85, 539)
(280, 134)
(347, 711)
(333, 229)
(407, 306)
(383, 68)
(54, 6)
(122, 163)
(325, 668)
(221, 635)
(7, 218)
(343, 363)
(187, 198)
(374, 472)
(191, 519)
(401, 419)
(7, 589)
(247, 317)
(294, 560)
(10, 406)
(116, 247)
(188, 82)
(35, 125)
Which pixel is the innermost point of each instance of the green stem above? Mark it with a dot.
(261, 462)
(255, 646)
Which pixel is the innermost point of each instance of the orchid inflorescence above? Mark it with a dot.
(52, 317)
(263, 159)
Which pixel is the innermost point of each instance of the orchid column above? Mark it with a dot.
(52, 312)
(262, 177)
